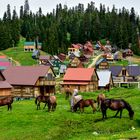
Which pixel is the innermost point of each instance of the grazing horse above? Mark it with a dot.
(48, 100)
(100, 98)
(7, 101)
(85, 103)
(116, 104)
(68, 93)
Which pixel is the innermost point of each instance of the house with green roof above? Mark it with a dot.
(31, 46)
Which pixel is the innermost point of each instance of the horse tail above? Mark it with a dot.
(36, 100)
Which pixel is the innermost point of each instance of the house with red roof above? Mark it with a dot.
(88, 48)
(84, 79)
(5, 87)
(30, 81)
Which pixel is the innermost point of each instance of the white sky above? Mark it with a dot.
(49, 5)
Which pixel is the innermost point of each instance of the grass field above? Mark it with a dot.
(24, 122)
(19, 56)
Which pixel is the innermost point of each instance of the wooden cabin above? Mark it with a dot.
(76, 63)
(102, 64)
(128, 74)
(117, 56)
(84, 79)
(31, 46)
(45, 60)
(30, 81)
(88, 48)
(5, 87)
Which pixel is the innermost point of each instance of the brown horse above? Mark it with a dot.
(85, 103)
(116, 105)
(68, 93)
(7, 101)
(48, 100)
(100, 98)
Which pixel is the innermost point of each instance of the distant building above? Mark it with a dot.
(31, 46)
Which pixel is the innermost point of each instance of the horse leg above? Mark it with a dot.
(44, 105)
(49, 107)
(116, 113)
(38, 105)
(104, 114)
(10, 107)
(120, 113)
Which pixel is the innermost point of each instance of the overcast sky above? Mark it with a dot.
(49, 5)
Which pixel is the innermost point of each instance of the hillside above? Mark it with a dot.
(18, 55)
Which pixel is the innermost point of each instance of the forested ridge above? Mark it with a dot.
(63, 26)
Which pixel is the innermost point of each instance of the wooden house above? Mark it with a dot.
(76, 63)
(127, 52)
(62, 57)
(84, 79)
(45, 60)
(117, 56)
(30, 81)
(128, 74)
(31, 46)
(102, 64)
(5, 87)
(88, 48)
(105, 79)
(56, 62)
(74, 49)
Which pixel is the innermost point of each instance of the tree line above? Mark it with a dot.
(63, 26)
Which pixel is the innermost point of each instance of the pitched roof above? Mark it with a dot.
(79, 74)
(133, 70)
(5, 64)
(115, 70)
(104, 77)
(24, 75)
(44, 57)
(4, 84)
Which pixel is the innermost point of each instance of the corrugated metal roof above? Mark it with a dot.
(79, 74)
(24, 75)
(104, 77)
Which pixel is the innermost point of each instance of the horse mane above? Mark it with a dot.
(128, 106)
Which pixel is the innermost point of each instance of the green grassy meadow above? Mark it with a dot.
(24, 122)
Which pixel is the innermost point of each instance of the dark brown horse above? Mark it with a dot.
(85, 103)
(100, 98)
(7, 101)
(116, 105)
(48, 100)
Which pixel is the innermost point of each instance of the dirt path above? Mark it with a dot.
(94, 61)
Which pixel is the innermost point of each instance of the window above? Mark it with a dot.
(124, 72)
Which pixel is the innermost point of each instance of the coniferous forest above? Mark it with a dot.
(63, 26)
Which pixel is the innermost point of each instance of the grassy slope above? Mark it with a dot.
(25, 122)
(18, 54)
